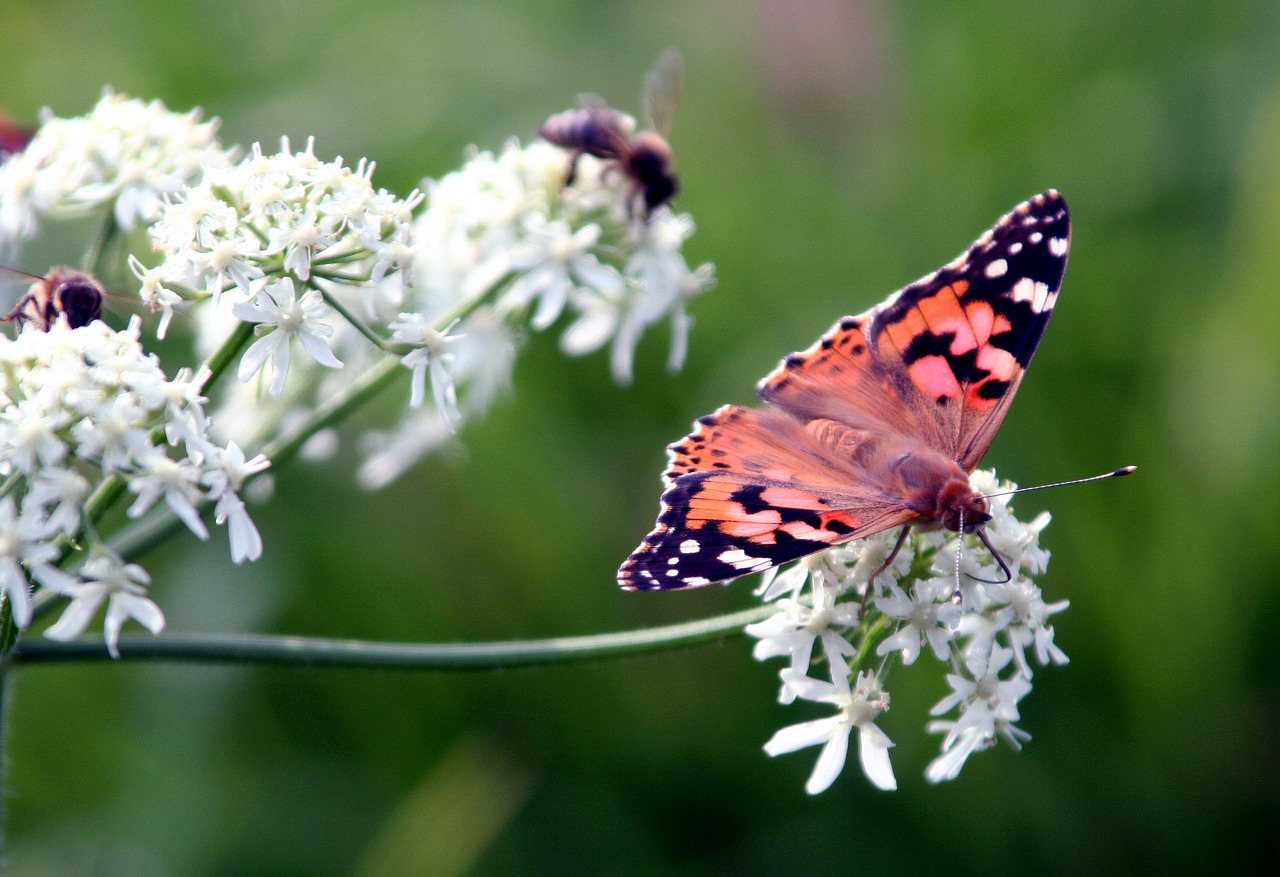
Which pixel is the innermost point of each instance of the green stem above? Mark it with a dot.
(95, 256)
(138, 538)
(282, 448)
(356, 323)
(223, 356)
(103, 497)
(874, 632)
(315, 652)
(8, 641)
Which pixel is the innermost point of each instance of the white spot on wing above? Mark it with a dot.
(695, 581)
(689, 546)
(1037, 294)
(1015, 248)
(1058, 246)
(739, 559)
(997, 268)
(1035, 237)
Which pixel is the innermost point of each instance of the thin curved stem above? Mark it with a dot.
(316, 652)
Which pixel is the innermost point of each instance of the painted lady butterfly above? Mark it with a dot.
(875, 426)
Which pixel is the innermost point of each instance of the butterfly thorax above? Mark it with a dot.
(907, 471)
(938, 489)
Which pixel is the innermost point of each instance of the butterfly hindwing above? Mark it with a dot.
(748, 490)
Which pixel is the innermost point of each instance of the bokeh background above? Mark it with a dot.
(830, 153)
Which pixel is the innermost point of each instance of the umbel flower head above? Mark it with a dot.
(313, 287)
(503, 243)
(942, 597)
(126, 153)
(270, 218)
(77, 407)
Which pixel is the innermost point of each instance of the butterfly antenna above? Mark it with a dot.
(982, 533)
(1125, 470)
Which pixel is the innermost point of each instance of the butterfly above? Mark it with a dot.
(875, 426)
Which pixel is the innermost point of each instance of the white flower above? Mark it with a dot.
(177, 481)
(283, 216)
(552, 256)
(122, 585)
(153, 294)
(988, 708)
(246, 541)
(927, 614)
(794, 630)
(283, 316)
(857, 709)
(117, 414)
(507, 225)
(432, 354)
(125, 152)
(1027, 615)
(56, 495)
(225, 474)
(24, 543)
(988, 637)
(388, 455)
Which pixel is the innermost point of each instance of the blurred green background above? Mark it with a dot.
(830, 153)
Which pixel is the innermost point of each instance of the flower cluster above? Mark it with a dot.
(273, 218)
(942, 595)
(124, 153)
(314, 288)
(81, 409)
(504, 243)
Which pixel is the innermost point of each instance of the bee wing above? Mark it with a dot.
(589, 100)
(13, 275)
(662, 91)
(618, 124)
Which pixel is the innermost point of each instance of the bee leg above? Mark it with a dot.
(19, 313)
(573, 166)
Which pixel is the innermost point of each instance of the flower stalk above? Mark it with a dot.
(319, 652)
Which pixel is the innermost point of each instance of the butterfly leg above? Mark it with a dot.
(1008, 574)
(897, 546)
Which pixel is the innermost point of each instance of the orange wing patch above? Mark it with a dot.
(841, 354)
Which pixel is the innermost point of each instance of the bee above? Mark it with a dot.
(64, 290)
(644, 158)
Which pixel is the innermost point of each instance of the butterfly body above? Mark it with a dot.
(876, 425)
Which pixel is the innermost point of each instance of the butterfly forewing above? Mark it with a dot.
(863, 430)
(960, 340)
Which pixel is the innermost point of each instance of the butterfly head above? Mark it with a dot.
(962, 510)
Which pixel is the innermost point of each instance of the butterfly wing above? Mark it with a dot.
(752, 489)
(942, 358)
